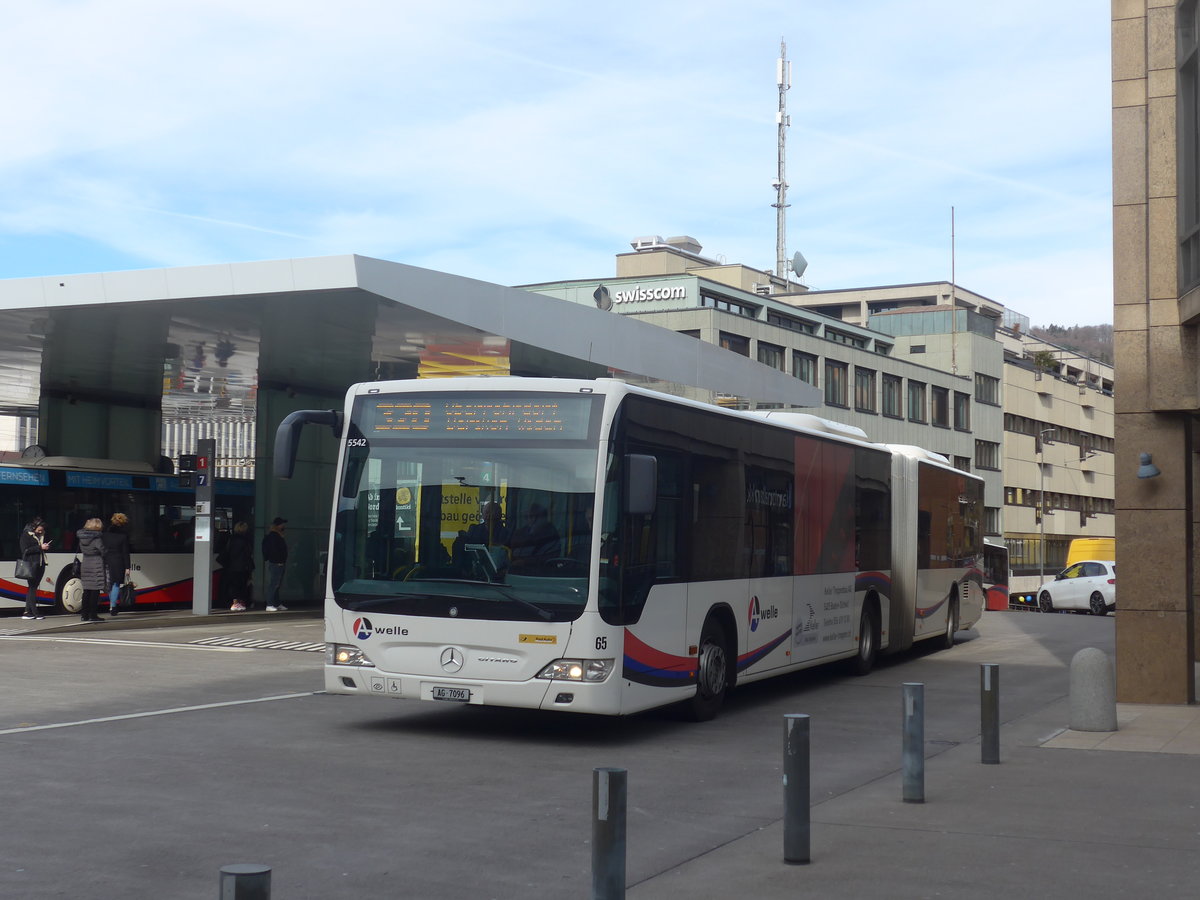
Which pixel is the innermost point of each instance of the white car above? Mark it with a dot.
(1088, 585)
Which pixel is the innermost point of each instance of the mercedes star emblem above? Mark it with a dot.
(452, 659)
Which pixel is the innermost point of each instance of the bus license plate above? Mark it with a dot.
(462, 695)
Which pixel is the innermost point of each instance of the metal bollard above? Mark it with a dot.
(609, 796)
(797, 831)
(246, 881)
(914, 742)
(989, 713)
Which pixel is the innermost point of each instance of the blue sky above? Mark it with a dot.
(524, 141)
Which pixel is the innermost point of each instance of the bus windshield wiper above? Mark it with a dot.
(500, 589)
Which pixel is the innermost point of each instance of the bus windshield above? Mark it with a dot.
(475, 530)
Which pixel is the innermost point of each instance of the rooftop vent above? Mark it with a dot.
(656, 242)
(685, 243)
(647, 243)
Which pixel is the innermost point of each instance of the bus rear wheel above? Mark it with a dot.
(868, 641)
(68, 592)
(947, 640)
(712, 673)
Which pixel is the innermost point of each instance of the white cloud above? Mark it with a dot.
(523, 138)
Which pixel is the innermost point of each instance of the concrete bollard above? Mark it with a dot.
(610, 793)
(245, 881)
(797, 794)
(989, 714)
(913, 749)
(1093, 693)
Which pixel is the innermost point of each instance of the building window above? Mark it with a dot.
(770, 355)
(804, 367)
(835, 383)
(917, 348)
(939, 406)
(987, 455)
(962, 411)
(991, 520)
(735, 342)
(692, 332)
(864, 389)
(1188, 141)
(798, 325)
(840, 337)
(891, 396)
(916, 401)
(987, 389)
(962, 462)
(725, 304)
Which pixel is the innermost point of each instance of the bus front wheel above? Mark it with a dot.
(712, 672)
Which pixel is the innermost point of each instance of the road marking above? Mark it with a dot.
(119, 643)
(158, 712)
(262, 644)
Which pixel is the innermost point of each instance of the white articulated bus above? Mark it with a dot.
(594, 547)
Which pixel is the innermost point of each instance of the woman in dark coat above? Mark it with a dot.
(91, 569)
(33, 549)
(116, 558)
(237, 565)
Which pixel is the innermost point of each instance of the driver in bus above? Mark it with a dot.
(536, 541)
(490, 531)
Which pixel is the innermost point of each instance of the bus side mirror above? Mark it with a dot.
(641, 484)
(287, 436)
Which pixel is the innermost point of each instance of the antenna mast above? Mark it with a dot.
(783, 77)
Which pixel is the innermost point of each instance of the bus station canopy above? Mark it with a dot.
(210, 340)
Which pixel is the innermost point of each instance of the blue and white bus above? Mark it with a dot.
(67, 491)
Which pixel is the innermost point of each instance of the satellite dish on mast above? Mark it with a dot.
(799, 263)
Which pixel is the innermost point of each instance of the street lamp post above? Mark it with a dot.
(1041, 446)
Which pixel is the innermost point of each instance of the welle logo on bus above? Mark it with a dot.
(757, 613)
(363, 629)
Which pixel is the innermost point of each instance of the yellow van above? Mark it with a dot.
(1091, 548)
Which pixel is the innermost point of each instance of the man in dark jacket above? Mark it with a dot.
(275, 554)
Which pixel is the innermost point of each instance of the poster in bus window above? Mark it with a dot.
(824, 533)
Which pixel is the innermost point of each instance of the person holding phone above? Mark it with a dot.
(33, 550)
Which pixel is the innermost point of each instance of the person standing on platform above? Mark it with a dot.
(33, 550)
(116, 558)
(91, 568)
(275, 554)
(238, 566)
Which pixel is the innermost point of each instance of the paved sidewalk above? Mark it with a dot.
(1141, 728)
(144, 618)
(1064, 814)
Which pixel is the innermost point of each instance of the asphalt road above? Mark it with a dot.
(138, 763)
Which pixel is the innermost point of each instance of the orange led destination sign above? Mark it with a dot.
(565, 417)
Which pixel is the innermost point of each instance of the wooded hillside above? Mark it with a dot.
(1095, 341)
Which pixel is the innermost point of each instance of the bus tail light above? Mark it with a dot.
(590, 670)
(345, 655)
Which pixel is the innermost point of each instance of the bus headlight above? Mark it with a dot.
(590, 670)
(345, 655)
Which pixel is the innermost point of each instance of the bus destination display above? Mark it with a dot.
(554, 418)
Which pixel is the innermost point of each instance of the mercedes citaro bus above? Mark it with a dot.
(596, 547)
